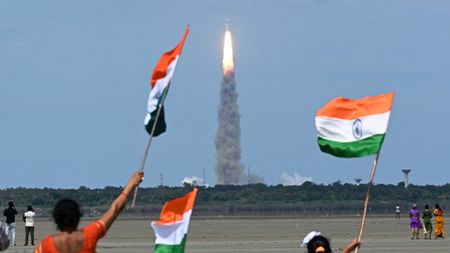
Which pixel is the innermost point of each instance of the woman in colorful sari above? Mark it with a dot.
(439, 230)
(414, 217)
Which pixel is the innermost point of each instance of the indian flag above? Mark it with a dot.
(160, 82)
(172, 227)
(354, 127)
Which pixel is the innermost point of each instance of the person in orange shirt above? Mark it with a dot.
(67, 216)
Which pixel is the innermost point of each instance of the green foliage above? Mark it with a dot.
(238, 199)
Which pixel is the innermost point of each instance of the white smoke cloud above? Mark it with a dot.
(294, 179)
(194, 181)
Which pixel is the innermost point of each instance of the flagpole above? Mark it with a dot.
(366, 201)
(150, 138)
(149, 143)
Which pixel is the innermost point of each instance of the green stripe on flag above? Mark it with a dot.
(160, 125)
(365, 147)
(164, 248)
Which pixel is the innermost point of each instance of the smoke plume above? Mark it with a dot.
(193, 181)
(294, 179)
(229, 169)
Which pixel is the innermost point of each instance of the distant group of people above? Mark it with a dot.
(316, 243)
(10, 226)
(427, 226)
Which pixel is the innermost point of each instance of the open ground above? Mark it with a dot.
(256, 234)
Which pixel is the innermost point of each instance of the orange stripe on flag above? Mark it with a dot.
(344, 108)
(173, 210)
(160, 70)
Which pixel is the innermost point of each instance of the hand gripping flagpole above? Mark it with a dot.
(366, 201)
(150, 138)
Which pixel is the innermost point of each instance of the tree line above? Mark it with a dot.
(259, 199)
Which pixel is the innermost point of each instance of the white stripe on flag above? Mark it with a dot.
(172, 234)
(158, 89)
(341, 130)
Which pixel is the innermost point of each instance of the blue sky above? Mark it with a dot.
(74, 83)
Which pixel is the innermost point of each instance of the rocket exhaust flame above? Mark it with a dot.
(227, 61)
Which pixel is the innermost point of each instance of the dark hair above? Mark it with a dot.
(319, 241)
(437, 206)
(29, 208)
(10, 204)
(67, 214)
(426, 206)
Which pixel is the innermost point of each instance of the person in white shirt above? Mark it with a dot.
(397, 211)
(28, 218)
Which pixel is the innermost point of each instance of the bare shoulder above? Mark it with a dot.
(69, 242)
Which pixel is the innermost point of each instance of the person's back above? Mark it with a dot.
(437, 211)
(414, 222)
(397, 211)
(79, 241)
(28, 218)
(439, 222)
(427, 215)
(70, 243)
(67, 216)
(10, 214)
(414, 214)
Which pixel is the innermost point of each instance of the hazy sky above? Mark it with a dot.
(74, 83)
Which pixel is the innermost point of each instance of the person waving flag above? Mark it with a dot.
(155, 123)
(355, 128)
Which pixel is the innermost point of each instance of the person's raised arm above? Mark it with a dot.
(352, 246)
(118, 204)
